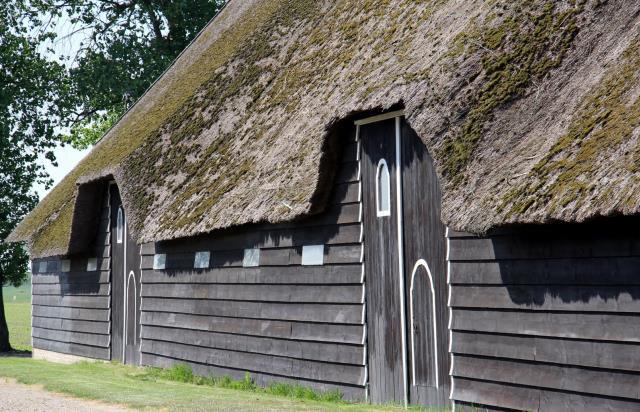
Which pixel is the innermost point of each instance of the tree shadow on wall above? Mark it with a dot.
(591, 266)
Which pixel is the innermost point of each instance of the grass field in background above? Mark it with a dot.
(17, 306)
(151, 389)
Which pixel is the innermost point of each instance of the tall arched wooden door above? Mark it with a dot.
(125, 286)
(405, 268)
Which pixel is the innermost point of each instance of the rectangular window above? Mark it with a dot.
(92, 264)
(159, 261)
(65, 265)
(313, 255)
(42, 267)
(251, 258)
(202, 260)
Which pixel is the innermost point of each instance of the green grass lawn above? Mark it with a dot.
(17, 306)
(145, 388)
(148, 388)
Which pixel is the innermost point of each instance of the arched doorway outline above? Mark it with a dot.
(418, 264)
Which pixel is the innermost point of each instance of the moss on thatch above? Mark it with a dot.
(606, 120)
(235, 131)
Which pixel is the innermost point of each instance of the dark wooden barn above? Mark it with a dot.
(430, 203)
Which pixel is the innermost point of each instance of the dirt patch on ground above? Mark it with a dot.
(18, 397)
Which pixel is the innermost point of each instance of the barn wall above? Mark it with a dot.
(280, 321)
(71, 310)
(547, 318)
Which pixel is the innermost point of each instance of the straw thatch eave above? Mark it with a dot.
(529, 109)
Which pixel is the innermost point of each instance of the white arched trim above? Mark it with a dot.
(131, 277)
(383, 189)
(424, 264)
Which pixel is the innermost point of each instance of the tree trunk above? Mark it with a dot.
(5, 346)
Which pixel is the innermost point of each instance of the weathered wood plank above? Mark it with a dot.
(351, 314)
(70, 325)
(265, 237)
(558, 377)
(350, 392)
(101, 315)
(350, 334)
(349, 172)
(617, 299)
(594, 326)
(327, 372)
(495, 394)
(334, 274)
(346, 193)
(89, 302)
(532, 399)
(72, 349)
(84, 288)
(89, 339)
(337, 254)
(325, 352)
(73, 277)
(543, 247)
(609, 355)
(582, 271)
(262, 293)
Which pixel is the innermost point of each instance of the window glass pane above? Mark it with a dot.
(313, 255)
(383, 189)
(120, 226)
(92, 264)
(65, 265)
(202, 260)
(159, 261)
(251, 258)
(42, 268)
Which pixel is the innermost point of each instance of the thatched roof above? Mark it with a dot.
(530, 109)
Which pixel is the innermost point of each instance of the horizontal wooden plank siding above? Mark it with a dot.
(71, 310)
(279, 320)
(547, 317)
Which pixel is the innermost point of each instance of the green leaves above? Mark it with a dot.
(126, 45)
(91, 129)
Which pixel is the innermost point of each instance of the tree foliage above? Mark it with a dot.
(126, 45)
(32, 103)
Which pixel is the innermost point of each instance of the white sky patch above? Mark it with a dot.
(68, 158)
(65, 47)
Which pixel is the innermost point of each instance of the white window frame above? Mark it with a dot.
(313, 255)
(251, 258)
(42, 266)
(202, 260)
(92, 264)
(382, 165)
(159, 261)
(120, 225)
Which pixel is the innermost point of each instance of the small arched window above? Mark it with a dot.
(383, 189)
(120, 226)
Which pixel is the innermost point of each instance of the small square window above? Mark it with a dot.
(202, 260)
(159, 261)
(251, 258)
(313, 255)
(42, 267)
(92, 264)
(65, 265)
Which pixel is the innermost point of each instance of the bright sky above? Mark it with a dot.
(67, 156)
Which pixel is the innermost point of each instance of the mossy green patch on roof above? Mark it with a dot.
(607, 120)
(236, 131)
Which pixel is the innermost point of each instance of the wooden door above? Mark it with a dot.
(125, 290)
(404, 266)
(425, 272)
(382, 264)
